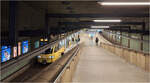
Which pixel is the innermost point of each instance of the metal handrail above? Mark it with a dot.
(127, 37)
(66, 65)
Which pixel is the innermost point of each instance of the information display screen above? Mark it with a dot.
(6, 51)
(25, 46)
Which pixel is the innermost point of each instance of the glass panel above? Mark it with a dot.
(124, 41)
(135, 44)
(146, 47)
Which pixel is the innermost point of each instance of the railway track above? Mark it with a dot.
(44, 73)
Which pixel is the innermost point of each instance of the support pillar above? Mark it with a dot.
(47, 30)
(129, 40)
(143, 29)
(120, 37)
(12, 23)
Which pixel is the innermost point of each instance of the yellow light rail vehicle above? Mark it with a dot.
(51, 55)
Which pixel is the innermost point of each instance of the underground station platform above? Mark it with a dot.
(75, 41)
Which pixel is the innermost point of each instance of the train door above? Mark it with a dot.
(56, 52)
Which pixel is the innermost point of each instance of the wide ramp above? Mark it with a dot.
(98, 65)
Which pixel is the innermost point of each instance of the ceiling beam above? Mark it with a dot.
(96, 15)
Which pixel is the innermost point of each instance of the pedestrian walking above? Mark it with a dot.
(96, 41)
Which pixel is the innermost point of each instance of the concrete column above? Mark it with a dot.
(46, 23)
(143, 29)
(115, 37)
(128, 40)
(141, 42)
(12, 23)
(120, 37)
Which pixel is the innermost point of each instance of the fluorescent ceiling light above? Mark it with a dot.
(124, 3)
(107, 20)
(99, 26)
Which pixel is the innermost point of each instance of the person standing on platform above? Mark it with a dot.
(96, 41)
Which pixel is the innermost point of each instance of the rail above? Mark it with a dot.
(58, 77)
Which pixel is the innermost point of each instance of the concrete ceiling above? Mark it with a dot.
(90, 7)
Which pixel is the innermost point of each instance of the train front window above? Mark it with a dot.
(48, 51)
(51, 50)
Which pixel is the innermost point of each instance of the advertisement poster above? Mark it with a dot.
(36, 44)
(24, 47)
(14, 51)
(19, 48)
(5, 53)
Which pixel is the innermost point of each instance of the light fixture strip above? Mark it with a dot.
(124, 3)
(107, 20)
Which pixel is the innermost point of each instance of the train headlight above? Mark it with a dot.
(39, 56)
(51, 56)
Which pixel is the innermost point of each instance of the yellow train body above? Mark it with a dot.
(51, 57)
(56, 51)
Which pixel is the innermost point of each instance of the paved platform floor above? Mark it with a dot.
(98, 65)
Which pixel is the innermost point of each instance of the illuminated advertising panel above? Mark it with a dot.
(36, 44)
(19, 48)
(14, 51)
(5, 56)
(25, 46)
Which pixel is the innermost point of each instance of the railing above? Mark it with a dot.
(139, 59)
(61, 74)
(133, 43)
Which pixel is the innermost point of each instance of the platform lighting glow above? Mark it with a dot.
(107, 20)
(99, 26)
(125, 3)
